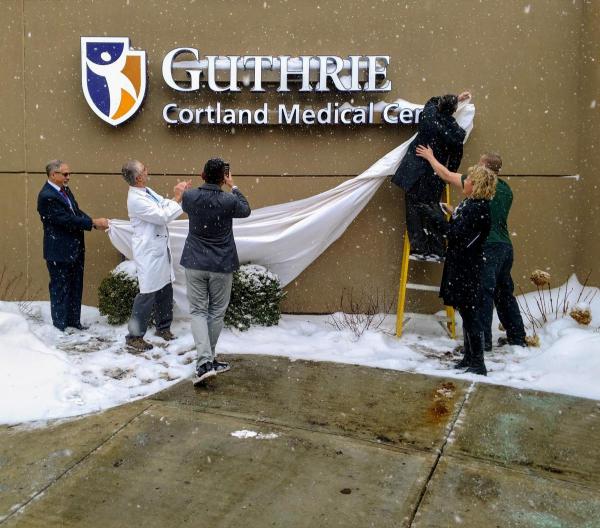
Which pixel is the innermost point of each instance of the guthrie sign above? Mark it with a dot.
(114, 85)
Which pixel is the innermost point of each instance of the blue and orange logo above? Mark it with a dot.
(113, 77)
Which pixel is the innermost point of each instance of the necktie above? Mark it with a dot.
(65, 196)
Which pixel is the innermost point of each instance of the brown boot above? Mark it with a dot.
(166, 334)
(137, 343)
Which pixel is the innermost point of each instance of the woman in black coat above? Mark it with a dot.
(466, 232)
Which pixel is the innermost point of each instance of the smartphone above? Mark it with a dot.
(226, 169)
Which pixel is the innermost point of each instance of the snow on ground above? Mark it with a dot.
(47, 374)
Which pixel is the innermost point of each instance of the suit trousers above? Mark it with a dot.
(208, 293)
(497, 289)
(66, 289)
(143, 304)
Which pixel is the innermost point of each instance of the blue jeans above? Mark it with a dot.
(497, 289)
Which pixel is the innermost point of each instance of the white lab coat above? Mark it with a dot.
(150, 241)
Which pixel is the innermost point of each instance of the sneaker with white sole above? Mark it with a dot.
(221, 366)
(203, 372)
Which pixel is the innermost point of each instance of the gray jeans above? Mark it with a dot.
(208, 293)
(162, 302)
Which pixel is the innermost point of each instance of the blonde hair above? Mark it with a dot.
(484, 182)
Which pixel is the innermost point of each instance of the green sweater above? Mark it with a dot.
(499, 209)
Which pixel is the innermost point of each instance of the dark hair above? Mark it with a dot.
(493, 161)
(448, 104)
(214, 171)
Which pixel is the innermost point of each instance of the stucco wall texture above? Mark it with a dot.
(533, 68)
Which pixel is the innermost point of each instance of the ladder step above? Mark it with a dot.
(424, 287)
(432, 260)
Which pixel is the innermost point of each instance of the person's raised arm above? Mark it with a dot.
(454, 178)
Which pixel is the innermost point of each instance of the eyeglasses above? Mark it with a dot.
(65, 174)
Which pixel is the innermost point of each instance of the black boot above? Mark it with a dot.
(465, 362)
(477, 365)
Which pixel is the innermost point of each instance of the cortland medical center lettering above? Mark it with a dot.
(306, 73)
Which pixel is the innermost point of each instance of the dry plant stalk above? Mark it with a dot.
(359, 315)
(9, 284)
(10, 291)
(548, 307)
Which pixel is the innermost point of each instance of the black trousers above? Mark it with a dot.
(66, 289)
(143, 304)
(473, 329)
(424, 237)
(497, 289)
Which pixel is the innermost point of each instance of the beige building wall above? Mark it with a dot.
(588, 248)
(529, 66)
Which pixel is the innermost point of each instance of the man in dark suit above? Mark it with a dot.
(210, 258)
(439, 129)
(64, 246)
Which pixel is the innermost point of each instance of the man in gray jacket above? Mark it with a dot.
(210, 258)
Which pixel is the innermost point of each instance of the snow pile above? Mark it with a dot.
(47, 374)
(244, 433)
(36, 381)
(128, 268)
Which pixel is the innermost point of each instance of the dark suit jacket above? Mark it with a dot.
(63, 227)
(443, 134)
(209, 245)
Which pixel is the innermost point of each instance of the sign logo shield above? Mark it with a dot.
(113, 77)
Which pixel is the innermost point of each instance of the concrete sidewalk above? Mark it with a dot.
(343, 446)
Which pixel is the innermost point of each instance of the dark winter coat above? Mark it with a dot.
(443, 134)
(63, 226)
(210, 245)
(466, 233)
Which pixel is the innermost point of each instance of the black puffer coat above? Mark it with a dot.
(443, 134)
(466, 232)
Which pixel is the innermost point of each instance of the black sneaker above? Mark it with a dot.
(203, 372)
(79, 326)
(221, 366)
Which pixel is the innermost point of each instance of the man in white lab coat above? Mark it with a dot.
(150, 214)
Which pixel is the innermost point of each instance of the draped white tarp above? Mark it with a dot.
(286, 238)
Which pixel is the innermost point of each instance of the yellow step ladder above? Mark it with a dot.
(449, 320)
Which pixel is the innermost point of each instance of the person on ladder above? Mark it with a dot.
(438, 128)
(466, 233)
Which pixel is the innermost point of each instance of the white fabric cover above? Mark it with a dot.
(286, 238)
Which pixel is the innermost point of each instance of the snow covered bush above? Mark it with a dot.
(116, 294)
(255, 298)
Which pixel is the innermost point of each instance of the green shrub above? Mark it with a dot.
(115, 297)
(255, 298)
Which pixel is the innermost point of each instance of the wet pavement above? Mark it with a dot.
(313, 444)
